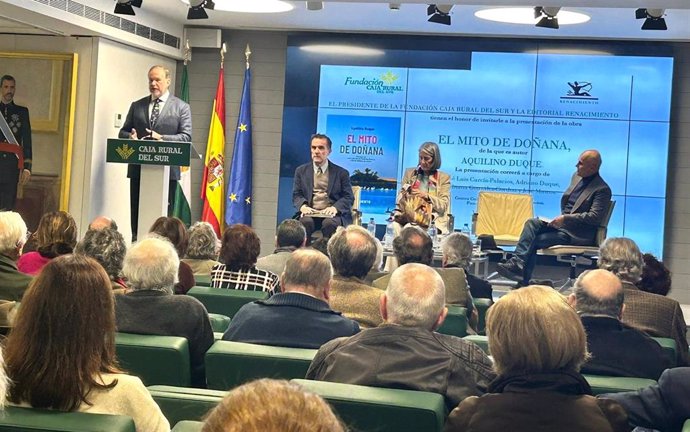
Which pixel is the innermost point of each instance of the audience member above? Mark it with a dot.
(538, 345)
(617, 349)
(101, 222)
(150, 307)
(173, 229)
(663, 406)
(202, 252)
(405, 352)
(656, 278)
(56, 235)
(457, 253)
(352, 251)
(271, 405)
(13, 235)
(298, 317)
(61, 353)
(4, 382)
(290, 236)
(414, 245)
(108, 247)
(656, 315)
(238, 253)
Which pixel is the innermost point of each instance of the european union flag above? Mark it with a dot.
(238, 204)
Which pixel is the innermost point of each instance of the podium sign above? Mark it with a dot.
(148, 152)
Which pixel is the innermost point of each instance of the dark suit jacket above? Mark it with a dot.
(588, 212)
(174, 124)
(339, 189)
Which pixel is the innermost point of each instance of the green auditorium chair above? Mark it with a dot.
(30, 419)
(204, 280)
(181, 403)
(456, 322)
(230, 364)
(188, 426)
(155, 359)
(607, 384)
(219, 323)
(225, 301)
(669, 347)
(377, 409)
(686, 426)
(480, 340)
(482, 305)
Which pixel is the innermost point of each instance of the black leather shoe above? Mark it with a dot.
(511, 270)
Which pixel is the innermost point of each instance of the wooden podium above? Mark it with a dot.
(155, 158)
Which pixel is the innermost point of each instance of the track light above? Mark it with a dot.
(547, 15)
(394, 6)
(653, 18)
(197, 9)
(314, 5)
(439, 14)
(124, 7)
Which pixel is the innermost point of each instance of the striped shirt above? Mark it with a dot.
(252, 279)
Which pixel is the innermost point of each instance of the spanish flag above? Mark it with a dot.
(212, 184)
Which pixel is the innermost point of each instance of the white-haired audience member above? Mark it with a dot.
(457, 253)
(150, 307)
(656, 315)
(405, 352)
(290, 236)
(538, 345)
(202, 251)
(13, 236)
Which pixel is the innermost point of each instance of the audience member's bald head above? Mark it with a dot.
(415, 297)
(101, 222)
(598, 292)
(413, 245)
(352, 251)
(308, 271)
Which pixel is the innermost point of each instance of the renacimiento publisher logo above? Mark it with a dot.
(385, 84)
(580, 93)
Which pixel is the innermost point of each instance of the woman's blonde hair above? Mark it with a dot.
(271, 405)
(534, 329)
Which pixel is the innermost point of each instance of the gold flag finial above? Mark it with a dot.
(187, 52)
(247, 53)
(223, 50)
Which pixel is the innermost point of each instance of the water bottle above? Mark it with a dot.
(432, 232)
(477, 246)
(371, 227)
(466, 230)
(390, 233)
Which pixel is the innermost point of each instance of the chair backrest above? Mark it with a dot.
(155, 359)
(381, 409)
(686, 426)
(481, 340)
(668, 345)
(188, 426)
(482, 305)
(357, 205)
(219, 323)
(456, 321)
(31, 419)
(603, 227)
(503, 215)
(607, 384)
(204, 280)
(230, 364)
(225, 301)
(182, 403)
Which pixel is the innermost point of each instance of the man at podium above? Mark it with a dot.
(14, 148)
(158, 116)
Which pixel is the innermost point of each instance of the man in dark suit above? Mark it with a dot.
(159, 116)
(583, 207)
(322, 193)
(17, 118)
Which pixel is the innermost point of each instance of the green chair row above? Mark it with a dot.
(155, 359)
(30, 419)
(181, 403)
(219, 323)
(224, 301)
(188, 426)
(669, 347)
(456, 321)
(482, 305)
(607, 384)
(686, 426)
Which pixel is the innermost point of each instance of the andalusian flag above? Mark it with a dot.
(239, 197)
(183, 190)
(213, 181)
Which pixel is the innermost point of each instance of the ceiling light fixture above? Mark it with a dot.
(124, 7)
(439, 14)
(394, 6)
(653, 18)
(248, 6)
(524, 15)
(314, 5)
(548, 15)
(196, 10)
(336, 50)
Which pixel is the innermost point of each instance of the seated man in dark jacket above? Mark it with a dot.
(616, 349)
(405, 352)
(298, 317)
(150, 268)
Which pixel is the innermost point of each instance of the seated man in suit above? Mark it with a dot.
(158, 116)
(583, 207)
(322, 189)
(405, 352)
(617, 349)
